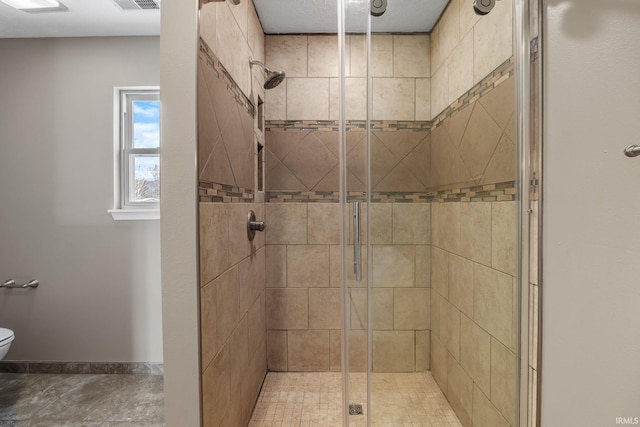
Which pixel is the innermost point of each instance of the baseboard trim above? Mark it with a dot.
(131, 368)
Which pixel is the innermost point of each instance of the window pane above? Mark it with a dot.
(146, 124)
(145, 182)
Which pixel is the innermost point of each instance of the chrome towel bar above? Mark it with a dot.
(632, 151)
(12, 284)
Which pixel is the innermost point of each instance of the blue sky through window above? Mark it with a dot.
(146, 124)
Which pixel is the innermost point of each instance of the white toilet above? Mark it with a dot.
(6, 336)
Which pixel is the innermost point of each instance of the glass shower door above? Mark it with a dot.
(429, 211)
(386, 219)
(354, 98)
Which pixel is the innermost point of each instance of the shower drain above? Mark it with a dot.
(355, 409)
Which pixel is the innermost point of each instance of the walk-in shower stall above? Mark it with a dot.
(381, 156)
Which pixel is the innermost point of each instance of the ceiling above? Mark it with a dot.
(320, 16)
(104, 18)
(84, 18)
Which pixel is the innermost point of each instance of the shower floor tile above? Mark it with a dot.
(48, 400)
(315, 399)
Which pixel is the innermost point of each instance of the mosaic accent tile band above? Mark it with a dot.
(82, 368)
(351, 125)
(232, 86)
(501, 192)
(493, 80)
(214, 192)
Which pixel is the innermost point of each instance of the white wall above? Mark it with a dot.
(591, 209)
(178, 62)
(100, 295)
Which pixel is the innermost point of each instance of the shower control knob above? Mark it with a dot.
(257, 225)
(253, 225)
(483, 7)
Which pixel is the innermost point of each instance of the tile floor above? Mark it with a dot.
(287, 399)
(315, 399)
(52, 400)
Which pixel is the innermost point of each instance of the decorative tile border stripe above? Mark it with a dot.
(302, 196)
(498, 76)
(214, 192)
(351, 125)
(214, 63)
(392, 197)
(352, 196)
(501, 192)
(82, 368)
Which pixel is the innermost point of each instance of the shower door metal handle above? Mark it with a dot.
(632, 151)
(357, 264)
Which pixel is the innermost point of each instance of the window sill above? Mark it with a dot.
(135, 214)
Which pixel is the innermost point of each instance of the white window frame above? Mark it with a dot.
(123, 98)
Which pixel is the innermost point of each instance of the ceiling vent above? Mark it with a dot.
(137, 4)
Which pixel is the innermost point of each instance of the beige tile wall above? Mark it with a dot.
(466, 47)
(232, 313)
(232, 269)
(475, 146)
(235, 34)
(471, 263)
(304, 299)
(474, 300)
(474, 309)
(299, 160)
(226, 136)
(401, 71)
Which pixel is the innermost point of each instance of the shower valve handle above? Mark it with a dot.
(257, 225)
(253, 225)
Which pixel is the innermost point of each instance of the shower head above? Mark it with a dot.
(271, 78)
(483, 7)
(378, 7)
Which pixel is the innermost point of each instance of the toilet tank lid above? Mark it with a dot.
(6, 335)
